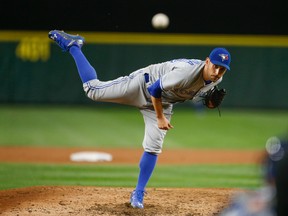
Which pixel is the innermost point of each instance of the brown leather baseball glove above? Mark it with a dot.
(214, 97)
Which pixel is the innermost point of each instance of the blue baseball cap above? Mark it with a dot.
(220, 56)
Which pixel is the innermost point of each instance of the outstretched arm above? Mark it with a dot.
(163, 122)
(155, 91)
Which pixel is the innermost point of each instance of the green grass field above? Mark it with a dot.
(205, 176)
(112, 127)
(118, 127)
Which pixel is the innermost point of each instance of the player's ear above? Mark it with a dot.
(207, 60)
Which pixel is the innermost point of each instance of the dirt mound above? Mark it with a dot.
(84, 201)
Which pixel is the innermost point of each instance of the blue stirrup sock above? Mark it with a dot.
(147, 165)
(85, 70)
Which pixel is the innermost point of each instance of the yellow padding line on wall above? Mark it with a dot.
(160, 38)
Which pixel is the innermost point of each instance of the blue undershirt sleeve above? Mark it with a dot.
(155, 89)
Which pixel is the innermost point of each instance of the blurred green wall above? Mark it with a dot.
(34, 70)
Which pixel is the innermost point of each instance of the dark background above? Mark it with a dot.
(186, 16)
(50, 80)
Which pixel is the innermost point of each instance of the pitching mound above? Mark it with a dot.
(82, 201)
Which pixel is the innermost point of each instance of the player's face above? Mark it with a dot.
(213, 72)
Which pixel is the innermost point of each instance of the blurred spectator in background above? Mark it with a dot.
(272, 198)
(281, 181)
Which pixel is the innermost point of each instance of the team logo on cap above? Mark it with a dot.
(224, 57)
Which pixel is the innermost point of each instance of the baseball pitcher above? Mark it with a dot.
(153, 90)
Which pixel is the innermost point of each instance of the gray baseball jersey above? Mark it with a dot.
(180, 80)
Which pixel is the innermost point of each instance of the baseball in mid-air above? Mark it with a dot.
(160, 21)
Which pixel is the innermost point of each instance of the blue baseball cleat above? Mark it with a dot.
(136, 199)
(65, 41)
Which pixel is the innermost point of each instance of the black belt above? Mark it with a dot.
(146, 75)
